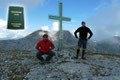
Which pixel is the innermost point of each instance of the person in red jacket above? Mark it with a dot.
(45, 46)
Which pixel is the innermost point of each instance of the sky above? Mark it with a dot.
(101, 16)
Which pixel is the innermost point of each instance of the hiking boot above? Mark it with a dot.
(76, 57)
(42, 62)
(83, 58)
(47, 62)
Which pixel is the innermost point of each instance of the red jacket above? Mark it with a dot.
(44, 46)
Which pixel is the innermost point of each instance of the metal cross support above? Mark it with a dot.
(60, 18)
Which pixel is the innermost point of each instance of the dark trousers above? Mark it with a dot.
(50, 55)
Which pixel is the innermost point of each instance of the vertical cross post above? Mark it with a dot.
(60, 27)
(60, 18)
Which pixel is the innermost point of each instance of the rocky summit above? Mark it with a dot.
(18, 59)
(23, 65)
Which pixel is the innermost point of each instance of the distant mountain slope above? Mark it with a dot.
(111, 45)
(29, 42)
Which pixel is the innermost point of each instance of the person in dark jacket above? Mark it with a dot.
(45, 47)
(82, 39)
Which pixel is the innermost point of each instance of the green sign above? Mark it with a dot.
(15, 18)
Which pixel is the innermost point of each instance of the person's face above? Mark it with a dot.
(83, 24)
(45, 38)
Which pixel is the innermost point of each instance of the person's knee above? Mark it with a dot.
(84, 49)
(78, 48)
(38, 54)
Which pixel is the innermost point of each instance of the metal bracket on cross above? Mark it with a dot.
(60, 18)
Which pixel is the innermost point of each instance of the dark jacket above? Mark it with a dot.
(83, 32)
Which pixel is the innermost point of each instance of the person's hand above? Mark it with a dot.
(87, 39)
(50, 49)
(78, 38)
(38, 49)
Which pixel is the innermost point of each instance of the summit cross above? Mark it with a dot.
(60, 18)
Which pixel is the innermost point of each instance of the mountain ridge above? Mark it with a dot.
(110, 45)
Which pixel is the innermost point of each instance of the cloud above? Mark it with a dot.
(55, 26)
(101, 6)
(72, 32)
(45, 28)
(107, 22)
(28, 3)
(117, 33)
(11, 34)
(3, 25)
(73, 21)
